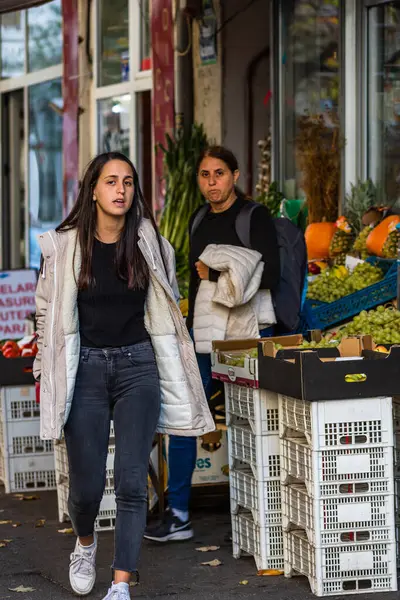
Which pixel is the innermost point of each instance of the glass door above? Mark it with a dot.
(383, 103)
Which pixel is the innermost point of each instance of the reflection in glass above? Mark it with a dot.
(45, 161)
(44, 35)
(114, 124)
(384, 100)
(310, 65)
(145, 35)
(114, 42)
(12, 38)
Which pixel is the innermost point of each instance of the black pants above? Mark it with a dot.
(120, 384)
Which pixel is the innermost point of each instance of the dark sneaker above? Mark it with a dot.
(171, 529)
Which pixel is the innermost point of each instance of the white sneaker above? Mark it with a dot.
(82, 568)
(118, 591)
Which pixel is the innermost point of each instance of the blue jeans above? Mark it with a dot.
(183, 450)
(121, 384)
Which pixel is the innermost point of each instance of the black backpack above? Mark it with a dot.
(289, 296)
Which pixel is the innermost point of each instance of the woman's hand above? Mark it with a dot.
(202, 270)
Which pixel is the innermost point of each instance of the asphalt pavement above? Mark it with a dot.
(37, 558)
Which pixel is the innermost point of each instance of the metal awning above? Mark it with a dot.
(14, 5)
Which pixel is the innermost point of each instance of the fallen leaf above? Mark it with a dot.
(5, 522)
(2, 545)
(27, 498)
(16, 524)
(244, 582)
(7, 541)
(22, 589)
(212, 563)
(269, 572)
(208, 548)
(66, 531)
(40, 523)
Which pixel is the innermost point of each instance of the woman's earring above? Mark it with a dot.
(94, 198)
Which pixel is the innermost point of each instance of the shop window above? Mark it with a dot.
(310, 76)
(114, 42)
(145, 35)
(384, 99)
(45, 161)
(114, 122)
(44, 36)
(12, 40)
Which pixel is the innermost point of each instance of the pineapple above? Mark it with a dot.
(342, 240)
(361, 198)
(390, 247)
(360, 244)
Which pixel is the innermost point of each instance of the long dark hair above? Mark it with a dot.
(130, 263)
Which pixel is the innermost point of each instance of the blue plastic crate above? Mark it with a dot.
(322, 315)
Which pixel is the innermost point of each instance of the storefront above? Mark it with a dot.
(118, 82)
(31, 129)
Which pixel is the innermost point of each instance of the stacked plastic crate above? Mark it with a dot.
(254, 474)
(107, 512)
(338, 494)
(396, 437)
(26, 462)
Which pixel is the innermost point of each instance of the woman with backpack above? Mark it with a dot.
(213, 228)
(112, 345)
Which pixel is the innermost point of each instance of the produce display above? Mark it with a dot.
(318, 239)
(338, 282)
(27, 347)
(360, 243)
(382, 323)
(377, 238)
(237, 358)
(391, 244)
(342, 241)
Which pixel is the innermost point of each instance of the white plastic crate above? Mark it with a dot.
(336, 472)
(62, 500)
(262, 498)
(338, 520)
(338, 423)
(261, 452)
(341, 570)
(25, 474)
(19, 404)
(265, 544)
(258, 407)
(105, 520)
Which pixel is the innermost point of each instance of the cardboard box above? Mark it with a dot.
(312, 373)
(248, 374)
(312, 376)
(212, 459)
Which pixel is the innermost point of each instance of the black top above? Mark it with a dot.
(110, 314)
(219, 228)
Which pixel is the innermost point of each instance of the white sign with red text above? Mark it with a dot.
(17, 301)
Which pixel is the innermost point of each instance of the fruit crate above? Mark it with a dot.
(338, 520)
(322, 315)
(261, 498)
(341, 570)
(339, 472)
(260, 452)
(258, 407)
(265, 544)
(360, 422)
